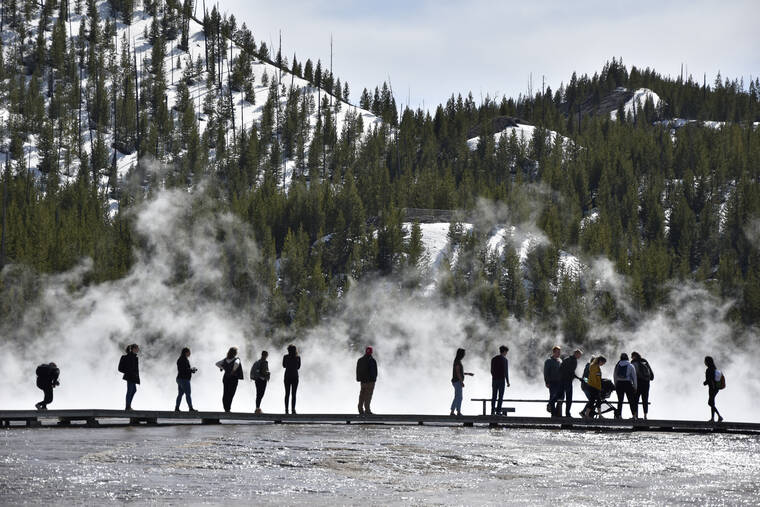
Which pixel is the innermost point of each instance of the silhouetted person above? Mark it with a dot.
(366, 374)
(713, 382)
(499, 378)
(567, 377)
(457, 380)
(594, 387)
(47, 379)
(130, 367)
(184, 374)
(233, 372)
(292, 363)
(553, 382)
(625, 384)
(260, 376)
(644, 375)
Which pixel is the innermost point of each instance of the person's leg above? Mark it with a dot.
(454, 401)
(180, 392)
(226, 396)
(293, 398)
(494, 394)
(459, 396)
(131, 390)
(555, 397)
(631, 395)
(620, 390)
(500, 392)
(48, 395)
(260, 386)
(568, 392)
(368, 397)
(362, 395)
(644, 392)
(287, 394)
(188, 398)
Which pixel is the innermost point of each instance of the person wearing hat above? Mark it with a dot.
(366, 374)
(626, 384)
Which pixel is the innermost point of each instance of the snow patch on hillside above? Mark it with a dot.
(638, 100)
(523, 132)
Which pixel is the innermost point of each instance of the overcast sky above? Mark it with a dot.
(431, 49)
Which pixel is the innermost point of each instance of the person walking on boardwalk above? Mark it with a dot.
(553, 382)
(129, 365)
(184, 374)
(625, 384)
(644, 375)
(47, 379)
(292, 363)
(499, 378)
(594, 387)
(233, 372)
(567, 376)
(366, 374)
(457, 380)
(714, 381)
(260, 376)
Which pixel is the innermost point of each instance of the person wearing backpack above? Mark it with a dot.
(644, 375)
(260, 376)
(715, 381)
(47, 379)
(592, 378)
(233, 372)
(625, 384)
(184, 374)
(130, 367)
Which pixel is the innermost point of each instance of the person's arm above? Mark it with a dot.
(236, 364)
(373, 369)
(284, 361)
(298, 362)
(358, 368)
(634, 377)
(493, 367)
(651, 372)
(506, 370)
(220, 364)
(547, 372)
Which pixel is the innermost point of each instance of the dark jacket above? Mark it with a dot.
(551, 371)
(642, 368)
(291, 365)
(47, 376)
(457, 371)
(184, 371)
(567, 369)
(710, 379)
(233, 370)
(131, 368)
(500, 368)
(366, 369)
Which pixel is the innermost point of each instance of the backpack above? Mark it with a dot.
(42, 370)
(642, 371)
(720, 380)
(255, 371)
(123, 364)
(621, 371)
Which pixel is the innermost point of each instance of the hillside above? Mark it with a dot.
(111, 107)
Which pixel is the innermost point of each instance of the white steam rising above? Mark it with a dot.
(178, 294)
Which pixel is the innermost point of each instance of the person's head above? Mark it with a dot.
(599, 361)
(635, 356)
(185, 352)
(264, 354)
(556, 351)
(460, 355)
(368, 351)
(53, 365)
(133, 348)
(503, 350)
(578, 353)
(292, 350)
(709, 362)
(624, 357)
(232, 353)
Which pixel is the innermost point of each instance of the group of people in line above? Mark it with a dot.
(632, 378)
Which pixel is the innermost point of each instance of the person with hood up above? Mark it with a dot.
(553, 382)
(625, 384)
(644, 375)
(233, 372)
(129, 365)
(47, 379)
(366, 375)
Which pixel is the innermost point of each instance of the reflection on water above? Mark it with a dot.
(324, 464)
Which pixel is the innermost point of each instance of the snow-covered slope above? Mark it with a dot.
(638, 100)
(524, 133)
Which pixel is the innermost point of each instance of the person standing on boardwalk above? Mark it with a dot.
(292, 363)
(567, 377)
(625, 384)
(260, 376)
(457, 380)
(130, 367)
(499, 378)
(594, 387)
(644, 375)
(366, 374)
(714, 381)
(553, 382)
(47, 379)
(184, 374)
(233, 372)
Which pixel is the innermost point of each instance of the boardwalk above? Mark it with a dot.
(97, 418)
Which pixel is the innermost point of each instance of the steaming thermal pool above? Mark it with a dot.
(371, 465)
